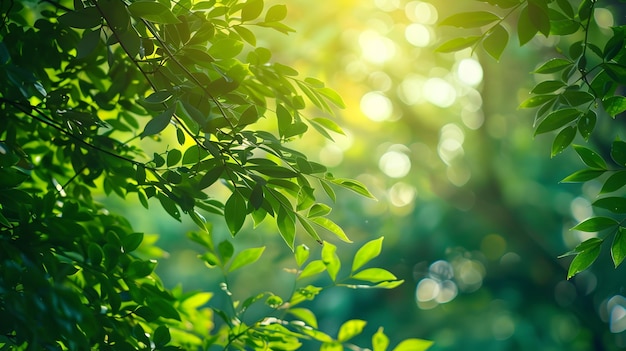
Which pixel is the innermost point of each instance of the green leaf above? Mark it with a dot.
(554, 65)
(590, 157)
(235, 210)
(319, 210)
(413, 345)
(374, 275)
(366, 253)
(158, 97)
(595, 224)
(495, 42)
(350, 329)
(557, 119)
(548, 86)
(312, 268)
(85, 18)
(251, 10)
(328, 124)
(582, 175)
(332, 96)
(287, 226)
(618, 152)
(539, 16)
(614, 105)
(331, 260)
(276, 13)
(210, 177)
(152, 11)
(158, 123)
(353, 185)
(226, 250)
(173, 157)
(526, 29)
(537, 100)
(586, 124)
(246, 257)
(246, 34)
(618, 247)
(308, 227)
(301, 254)
(614, 182)
(613, 204)
(304, 315)
(95, 254)
(586, 255)
(132, 241)
(380, 341)
(161, 336)
(331, 227)
(163, 308)
(470, 19)
(458, 44)
(563, 140)
(225, 48)
(577, 98)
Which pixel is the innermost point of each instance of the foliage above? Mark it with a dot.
(583, 86)
(168, 103)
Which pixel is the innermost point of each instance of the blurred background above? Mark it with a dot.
(469, 203)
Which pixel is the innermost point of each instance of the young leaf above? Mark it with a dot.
(618, 247)
(366, 253)
(331, 260)
(495, 42)
(413, 345)
(350, 329)
(374, 275)
(235, 210)
(595, 224)
(319, 210)
(301, 254)
(457, 44)
(246, 257)
(313, 268)
(470, 19)
(328, 124)
(331, 227)
(226, 250)
(353, 185)
(590, 157)
(304, 315)
(308, 227)
(585, 257)
(380, 341)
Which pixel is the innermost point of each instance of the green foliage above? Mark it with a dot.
(158, 102)
(582, 87)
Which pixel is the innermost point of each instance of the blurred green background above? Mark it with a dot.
(469, 203)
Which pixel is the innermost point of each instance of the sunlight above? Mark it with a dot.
(421, 12)
(376, 106)
(439, 92)
(418, 35)
(402, 194)
(450, 143)
(410, 88)
(375, 47)
(395, 164)
(470, 72)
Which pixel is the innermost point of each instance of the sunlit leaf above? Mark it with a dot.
(331, 260)
(246, 257)
(470, 19)
(557, 119)
(457, 44)
(537, 100)
(585, 257)
(595, 224)
(366, 253)
(251, 10)
(614, 182)
(413, 345)
(350, 329)
(328, 124)
(312, 268)
(301, 254)
(374, 275)
(304, 315)
(554, 65)
(614, 105)
(380, 341)
(276, 13)
(583, 175)
(331, 227)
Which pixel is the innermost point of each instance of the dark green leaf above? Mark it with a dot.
(613, 204)
(563, 140)
(586, 124)
(582, 176)
(539, 17)
(235, 210)
(319, 210)
(557, 119)
(590, 157)
(86, 18)
(548, 86)
(614, 182)
(537, 100)
(158, 123)
(312, 268)
(304, 315)
(526, 29)
(618, 247)
(495, 42)
(331, 260)
(577, 98)
(161, 336)
(614, 105)
(585, 258)
(553, 65)
(595, 224)
(618, 152)
(210, 177)
(301, 254)
(226, 250)
(152, 11)
(132, 241)
(380, 341)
